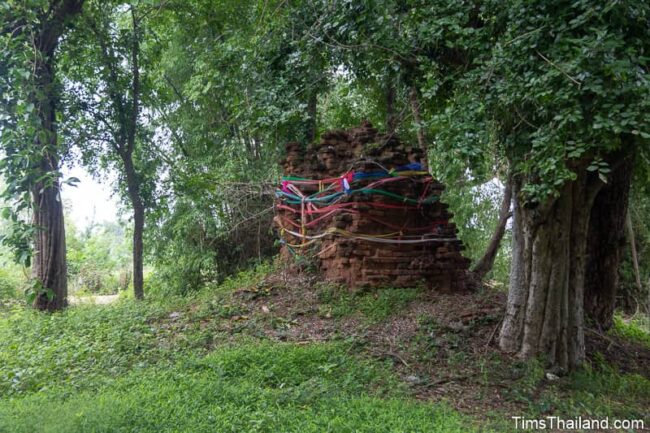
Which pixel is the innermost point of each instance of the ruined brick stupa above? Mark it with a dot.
(365, 205)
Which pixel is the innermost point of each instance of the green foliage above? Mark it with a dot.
(375, 305)
(249, 388)
(86, 345)
(231, 92)
(78, 348)
(597, 390)
(562, 86)
(475, 206)
(346, 105)
(11, 281)
(194, 248)
(98, 261)
(249, 278)
(13, 276)
(24, 138)
(137, 365)
(530, 375)
(102, 121)
(165, 364)
(99, 258)
(636, 329)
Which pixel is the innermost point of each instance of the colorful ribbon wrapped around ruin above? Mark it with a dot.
(331, 199)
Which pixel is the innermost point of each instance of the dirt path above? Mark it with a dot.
(97, 299)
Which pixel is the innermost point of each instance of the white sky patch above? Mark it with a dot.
(90, 201)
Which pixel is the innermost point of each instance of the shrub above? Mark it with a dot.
(11, 283)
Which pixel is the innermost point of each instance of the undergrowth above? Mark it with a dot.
(374, 305)
(201, 363)
(636, 329)
(244, 387)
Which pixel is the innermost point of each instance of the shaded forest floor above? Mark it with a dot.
(279, 350)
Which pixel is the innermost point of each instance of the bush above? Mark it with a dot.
(636, 328)
(205, 239)
(11, 283)
(98, 259)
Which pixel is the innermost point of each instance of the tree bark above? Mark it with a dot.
(634, 254)
(132, 180)
(637, 274)
(126, 114)
(544, 313)
(133, 186)
(49, 266)
(606, 240)
(486, 262)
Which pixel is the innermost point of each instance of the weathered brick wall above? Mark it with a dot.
(396, 235)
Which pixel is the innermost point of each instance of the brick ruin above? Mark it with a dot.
(364, 205)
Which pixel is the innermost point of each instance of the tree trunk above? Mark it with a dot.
(132, 180)
(606, 241)
(635, 256)
(485, 263)
(417, 116)
(138, 251)
(49, 266)
(133, 187)
(544, 313)
(631, 299)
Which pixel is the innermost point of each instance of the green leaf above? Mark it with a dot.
(30, 296)
(602, 177)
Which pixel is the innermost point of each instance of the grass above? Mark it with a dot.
(151, 366)
(600, 390)
(374, 305)
(636, 329)
(204, 363)
(11, 280)
(251, 387)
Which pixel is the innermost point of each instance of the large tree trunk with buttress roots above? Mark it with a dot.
(544, 314)
(606, 240)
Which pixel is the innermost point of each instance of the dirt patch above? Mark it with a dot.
(95, 299)
(442, 345)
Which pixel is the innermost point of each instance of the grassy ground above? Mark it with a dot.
(276, 352)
